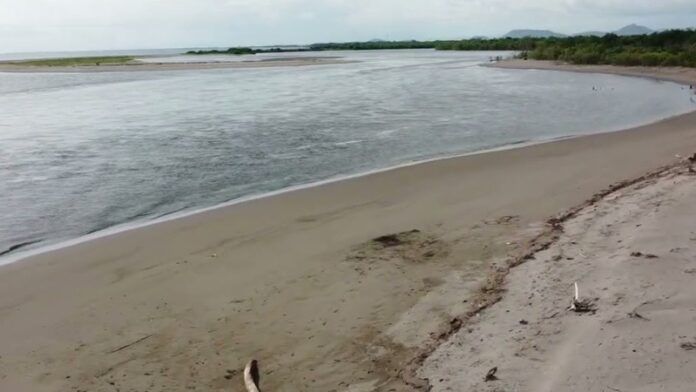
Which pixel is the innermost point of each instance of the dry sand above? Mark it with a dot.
(143, 66)
(633, 254)
(298, 280)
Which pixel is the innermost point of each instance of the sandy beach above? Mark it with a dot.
(352, 285)
(153, 66)
(633, 255)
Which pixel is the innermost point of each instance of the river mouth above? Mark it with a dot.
(82, 153)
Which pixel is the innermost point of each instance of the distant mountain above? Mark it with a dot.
(532, 34)
(591, 34)
(633, 29)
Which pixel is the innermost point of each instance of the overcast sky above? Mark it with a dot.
(41, 25)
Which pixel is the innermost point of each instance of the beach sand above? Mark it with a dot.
(152, 66)
(675, 74)
(344, 286)
(633, 255)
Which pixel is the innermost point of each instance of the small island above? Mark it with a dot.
(238, 51)
(233, 51)
(131, 63)
(75, 61)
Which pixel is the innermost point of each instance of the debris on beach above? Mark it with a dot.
(690, 163)
(636, 315)
(390, 240)
(503, 220)
(490, 376)
(411, 246)
(581, 305)
(688, 346)
(252, 377)
(646, 255)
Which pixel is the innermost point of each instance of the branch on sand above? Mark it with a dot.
(490, 376)
(252, 377)
(581, 305)
(130, 344)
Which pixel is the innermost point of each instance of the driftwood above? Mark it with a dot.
(130, 344)
(490, 376)
(581, 305)
(251, 376)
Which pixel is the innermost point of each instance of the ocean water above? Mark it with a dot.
(80, 153)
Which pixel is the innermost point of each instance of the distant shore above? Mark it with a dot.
(345, 286)
(154, 66)
(674, 74)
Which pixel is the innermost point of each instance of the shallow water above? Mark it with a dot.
(83, 152)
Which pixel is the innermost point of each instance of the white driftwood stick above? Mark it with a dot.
(577, 292)
(251, 372)
(576, 298)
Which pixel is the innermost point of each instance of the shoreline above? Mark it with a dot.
(336, 286)
(680, 75)
(507, 287)
(18, 252)
(152, 66)
(654, 73)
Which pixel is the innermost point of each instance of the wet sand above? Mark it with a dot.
(337, 287)
(674, 74)
(152, 66)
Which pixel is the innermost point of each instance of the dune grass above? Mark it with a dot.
(76, 61)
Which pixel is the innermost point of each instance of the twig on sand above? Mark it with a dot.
(581, 306)
(634, 314)
(490, 376)
(252, 377)
(130, 344)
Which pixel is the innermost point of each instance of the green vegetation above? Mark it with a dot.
(518, 44)
(76, 61)
(374, 45)
(472, 44)
(667, 48)
(234, 51)
(242, 50)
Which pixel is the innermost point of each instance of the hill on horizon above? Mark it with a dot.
(632, 29)
(531, 33)
(591, 34)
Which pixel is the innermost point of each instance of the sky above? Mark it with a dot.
(62, 25)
